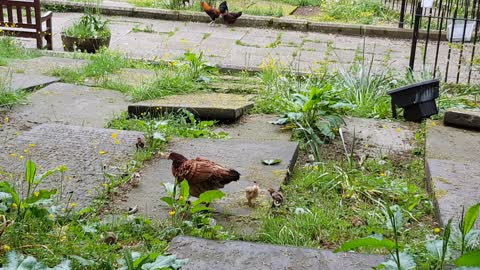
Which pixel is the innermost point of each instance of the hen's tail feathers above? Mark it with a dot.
(223, 7)
(205, 6)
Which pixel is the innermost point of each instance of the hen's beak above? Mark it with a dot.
(163, 155)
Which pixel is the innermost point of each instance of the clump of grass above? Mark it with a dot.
(358, 11)
(9, 96)
(10, 48)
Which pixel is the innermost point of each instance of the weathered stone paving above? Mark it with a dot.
(207, 254)
(244, 155)
(453, 169)
(223, 107)
(87, 152)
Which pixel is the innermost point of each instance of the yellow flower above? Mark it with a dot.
(105, 185)
(434, 124)
(382, 174)
(31, 145)
(25, 151)
(437, 230)
(315, 167)
(101, 152)
(36, 193)
(172, 213)
(14, 205)
(398, 129)
(6, 119)
(72, 205)
(13, 155)
(21, 157)
(181, 197)
(366, 145)
(114, 135)
(63, 238)
(51, 216)
(117, 141)
(7, 248)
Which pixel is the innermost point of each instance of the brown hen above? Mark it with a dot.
(213, 12)
(201, 174)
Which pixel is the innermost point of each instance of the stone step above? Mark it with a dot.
(205, 254)
(453, 169)
(44, 65)
(463, 118)
(213, 106)
(71, 104)
(87, 152)
(26, 82)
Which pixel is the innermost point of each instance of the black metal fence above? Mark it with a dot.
(439, 8)
(444, 40)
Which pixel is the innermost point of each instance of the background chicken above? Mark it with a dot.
(277, 197)
(213, 12)
(251, 192)
(228, 17)
(201, 174)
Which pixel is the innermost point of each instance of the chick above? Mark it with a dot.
(251, 192)
(277, 197)
(135, 180)
(140, 143)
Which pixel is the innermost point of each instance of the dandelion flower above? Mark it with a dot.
(25, 151)
(21, 157)
(382, 174)
(31, 145)
(51, 216)
(171, 213)
(434, 124)
(72, 205)
(7, 248)
(437, 230)
(36, 193)
(105, 185)
(13, 154)
(398, 129)
(14, 205)
(101, 152)
(63, 238)
(114, 135)
(6, 119)
(117, 141)
(181, 197)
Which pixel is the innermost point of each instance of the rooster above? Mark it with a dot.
(213, 12)
(277, 197)
(251, 192)
(228, 17)
(201, 174)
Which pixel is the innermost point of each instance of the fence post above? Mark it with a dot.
(416, 27)
(402, 14)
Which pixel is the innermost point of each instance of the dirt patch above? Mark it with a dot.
(307, 11)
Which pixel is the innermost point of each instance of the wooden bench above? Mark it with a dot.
(24, 19)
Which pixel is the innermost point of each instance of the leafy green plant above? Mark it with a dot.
(197, 67)
(135, 261)
(192, 217)
(11, 48)
(17, 261)
(8, 96)
(89, 26)
(315, 116)
(33, 202)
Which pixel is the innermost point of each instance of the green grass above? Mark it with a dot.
(8, 96)
(10, 49)
(331, 203)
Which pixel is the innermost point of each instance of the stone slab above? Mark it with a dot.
(205, 254)
(20, 81)
(217, 106)
(244, 155)
(44, 65)
(453, 169)
(462, 118)
(380, 137)
(71, 104)
(76, 147)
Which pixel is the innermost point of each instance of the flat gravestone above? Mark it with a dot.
(85, 151)
(44, 65)
(463, 118)
(205, 254)
(380, 137)
(453, 169)
(20, 81)
(244, 155)
(216, 106)
(71, 104)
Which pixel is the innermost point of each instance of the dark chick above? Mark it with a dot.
(277, 197)
(213, 12)
(201, 174)
(228, 17)
(140, 143)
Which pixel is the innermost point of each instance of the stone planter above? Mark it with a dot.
(458, 30)
(90, 45)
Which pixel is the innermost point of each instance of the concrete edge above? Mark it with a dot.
(283, 23)
(430, 185)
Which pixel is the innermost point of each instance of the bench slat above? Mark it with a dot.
(19, 14)
(29, 15)
(1, 12)
(9, 12)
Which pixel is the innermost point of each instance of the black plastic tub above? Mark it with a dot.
(417, 100)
